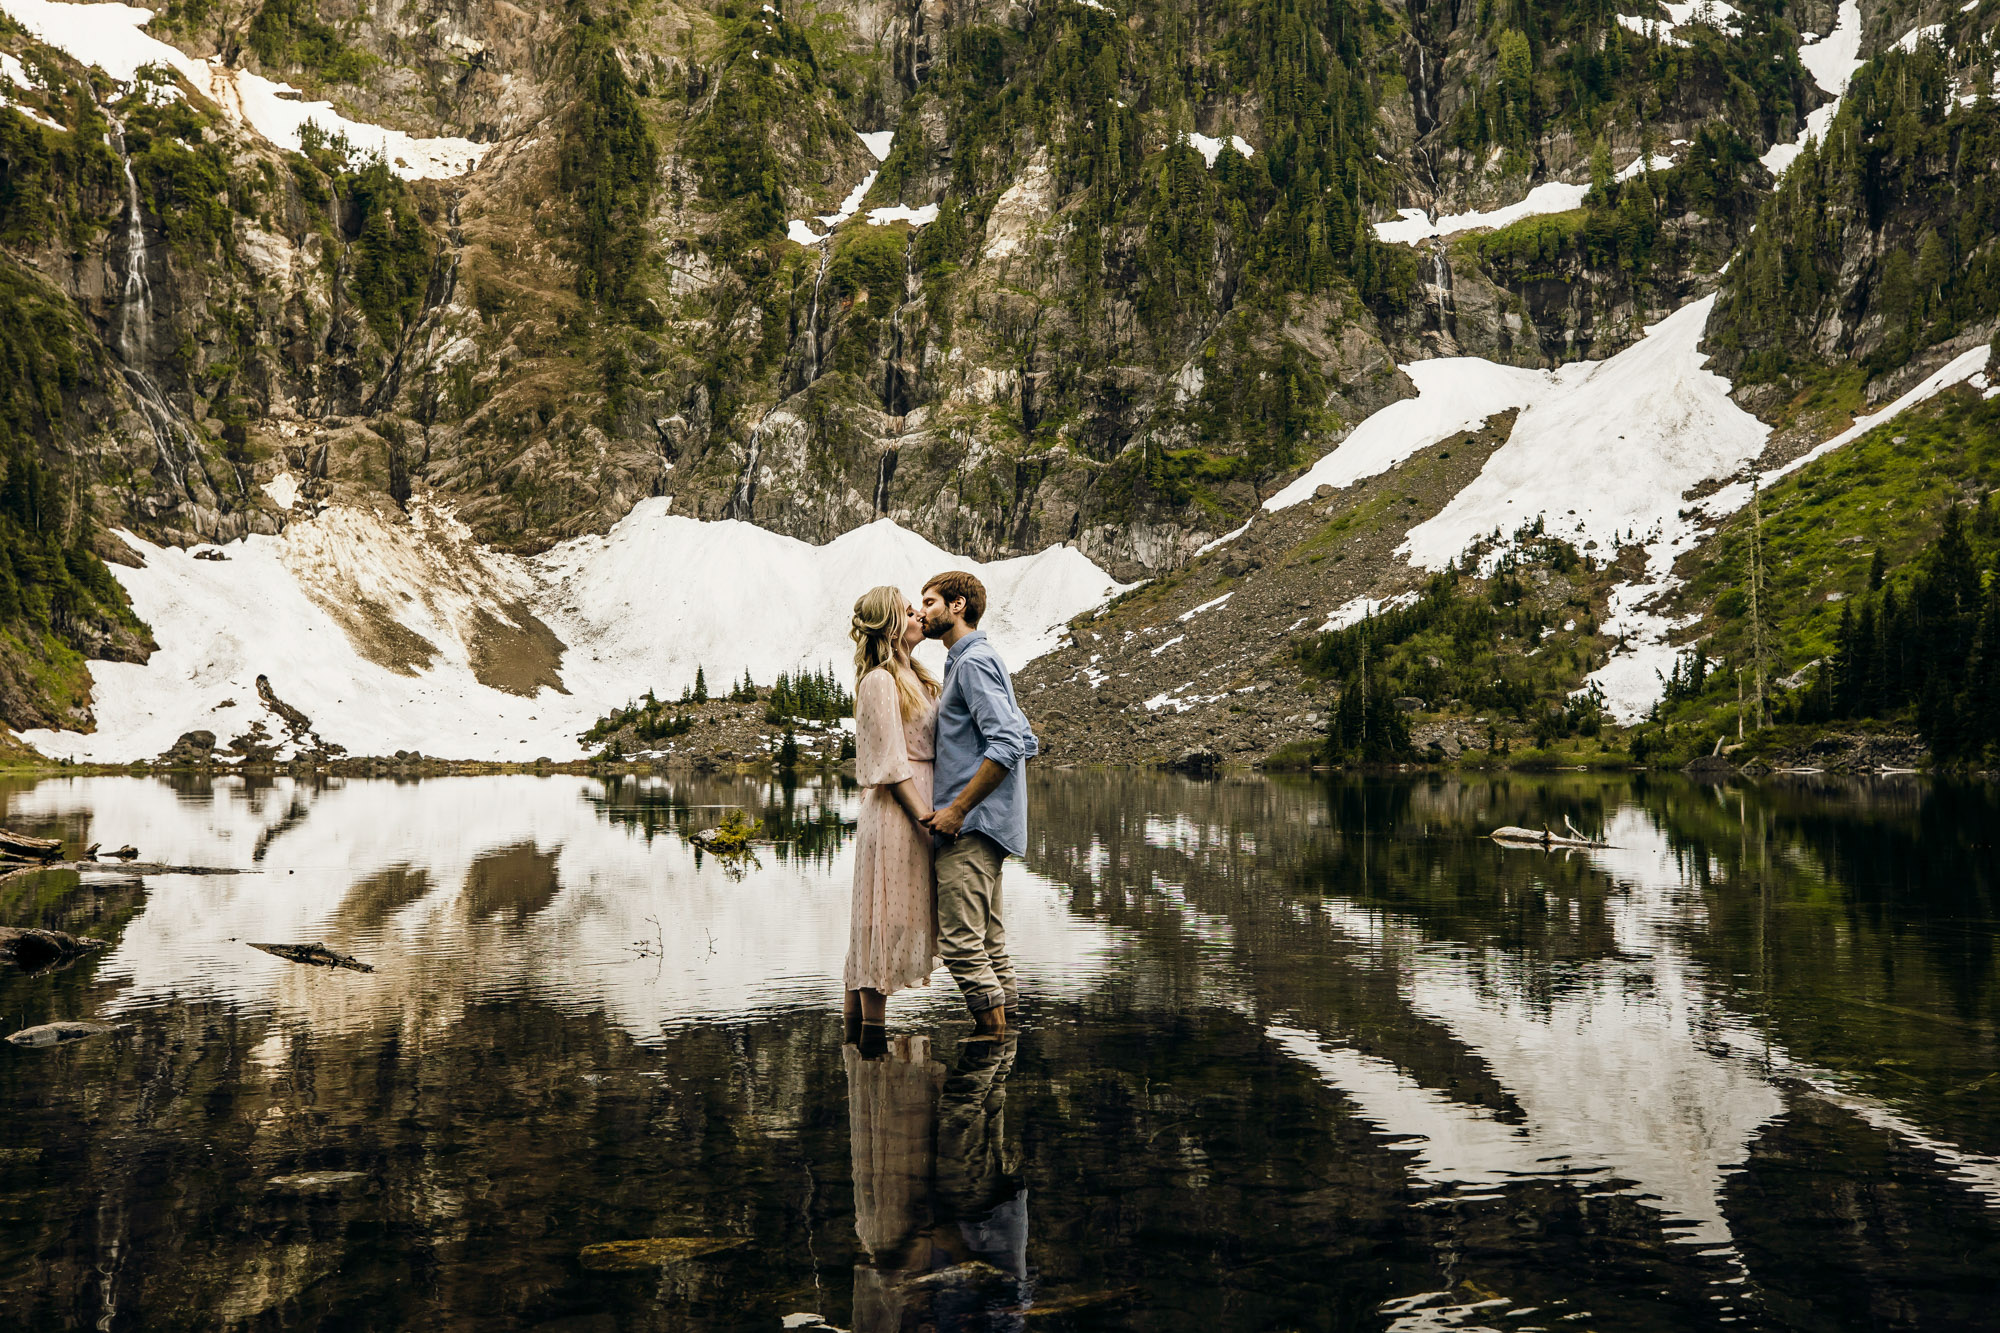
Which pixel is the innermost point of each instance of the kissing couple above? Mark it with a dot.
(944, 805)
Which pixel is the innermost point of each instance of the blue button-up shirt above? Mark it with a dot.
(977, 719)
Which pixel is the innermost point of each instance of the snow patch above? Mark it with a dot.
(109, 36)
(1416, 226)
(800, 232)
(1454, 394)
(916, 217)
(1615, 442)
(1909, 41)
(1210, 149)
(1643, 164)
(376, 629)
(283, 490)
(877, 142)
(1831, 61)
(1361, 608)
(1186, 616)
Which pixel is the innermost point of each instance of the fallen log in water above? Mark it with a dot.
(318, 955)
(130, 868)
(33, 949)
(57, 1034)
(1513, 835)
(24, 848)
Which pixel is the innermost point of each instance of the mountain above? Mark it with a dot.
(411, 313)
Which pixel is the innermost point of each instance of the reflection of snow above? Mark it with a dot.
(1629, 1070)
(1615, 1070)
(380, 870)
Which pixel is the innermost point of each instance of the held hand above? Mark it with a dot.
(946, 822)
(923, 820)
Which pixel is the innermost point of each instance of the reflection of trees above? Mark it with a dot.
(805, 821)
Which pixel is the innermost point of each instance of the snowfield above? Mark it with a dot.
(111, 37)
(393, 633)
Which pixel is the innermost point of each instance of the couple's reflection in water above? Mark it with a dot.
(940, 1204)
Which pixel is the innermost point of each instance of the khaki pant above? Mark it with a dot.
(972, 936)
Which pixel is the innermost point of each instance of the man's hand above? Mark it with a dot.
(946, 822)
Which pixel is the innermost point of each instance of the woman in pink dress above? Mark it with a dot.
(893, 939)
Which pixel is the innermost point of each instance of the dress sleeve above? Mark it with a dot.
(880, 756)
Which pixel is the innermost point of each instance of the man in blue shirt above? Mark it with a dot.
(980, 805)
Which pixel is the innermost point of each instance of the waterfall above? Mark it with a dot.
(895, 389)
(745, 495)
(1443, 301)
(176, 441)
(812, 318)
(135, 305)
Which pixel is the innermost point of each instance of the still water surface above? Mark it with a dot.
(1301, 1056)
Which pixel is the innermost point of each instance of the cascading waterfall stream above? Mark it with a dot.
(745, 495)
(178, 447)
(895, 388)
(812, 315)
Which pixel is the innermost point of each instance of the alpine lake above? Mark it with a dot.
(1297, 1054)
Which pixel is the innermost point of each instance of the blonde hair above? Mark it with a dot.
(880, 618)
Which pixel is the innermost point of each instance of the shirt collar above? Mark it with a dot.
(957, 650)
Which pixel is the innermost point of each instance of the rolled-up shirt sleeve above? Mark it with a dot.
(1004, 733)
(881, 757)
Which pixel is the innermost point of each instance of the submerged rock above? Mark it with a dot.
(33, 949)
(58, 1034)
(621, 1256)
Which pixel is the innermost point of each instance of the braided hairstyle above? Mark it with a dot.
(877, 626)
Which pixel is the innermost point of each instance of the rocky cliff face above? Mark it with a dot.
(1011, 274)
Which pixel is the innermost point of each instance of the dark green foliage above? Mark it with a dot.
(1926, 647)
(1572, 67)
(788, 751)
(1491, 647)
(648, 720)
(51, 582)
(700, 691)
(1894, 218)
(609, 165)
(391, 255)
(809, 696)
(290, 35)
(870, 260)
(745, 690)
(733, 141)
(45, 176)
(1619, 226)
(1367, 727)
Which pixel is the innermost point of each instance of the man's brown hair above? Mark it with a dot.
(956, 583)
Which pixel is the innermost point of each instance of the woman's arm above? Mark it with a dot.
(916, 804)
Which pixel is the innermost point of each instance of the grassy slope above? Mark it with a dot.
(1822, 526)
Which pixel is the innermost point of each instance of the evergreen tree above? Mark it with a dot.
(700, 686)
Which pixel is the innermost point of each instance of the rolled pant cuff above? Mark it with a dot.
(980, 1001)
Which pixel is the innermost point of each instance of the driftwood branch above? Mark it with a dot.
(1513, 835)
(24, 848)
(129, 868)
(316, 954)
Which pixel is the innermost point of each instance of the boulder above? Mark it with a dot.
(1198, 760)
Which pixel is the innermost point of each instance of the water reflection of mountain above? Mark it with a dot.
(1513, 1018)
(1305, 1056)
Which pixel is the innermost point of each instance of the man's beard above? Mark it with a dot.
(934, 630)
